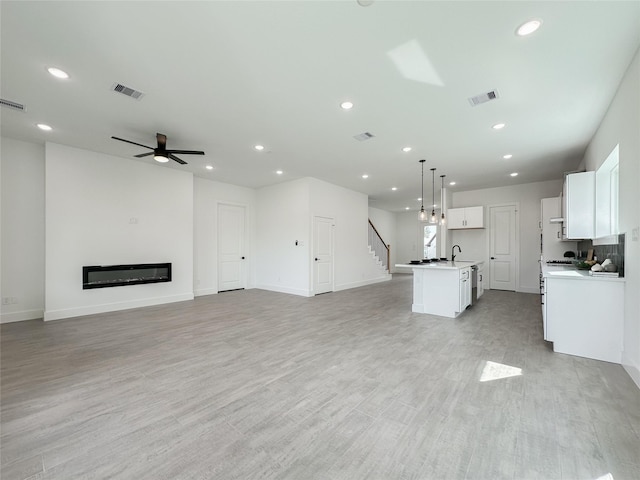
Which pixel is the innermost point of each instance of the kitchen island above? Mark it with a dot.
(441, 288)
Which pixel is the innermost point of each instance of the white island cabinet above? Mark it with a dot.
(441, 288)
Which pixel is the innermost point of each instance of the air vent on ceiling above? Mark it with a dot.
(363, 136)
(128, 91)
(483, 98)
(12, 105)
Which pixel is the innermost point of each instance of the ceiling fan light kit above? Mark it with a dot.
(160, 153)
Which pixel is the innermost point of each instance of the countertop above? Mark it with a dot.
(571, 272)
(457, 265)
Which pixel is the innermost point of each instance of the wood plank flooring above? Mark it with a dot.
(348, 385)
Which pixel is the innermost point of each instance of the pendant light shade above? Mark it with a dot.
(442, 219)
(433, 219)
(423, 214)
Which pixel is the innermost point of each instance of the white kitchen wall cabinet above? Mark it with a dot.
(579, 197)
(467, 217)
(606, 205)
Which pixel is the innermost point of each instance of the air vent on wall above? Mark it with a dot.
(483, 98)
(363, 136)
(12, 105)
(128, 91)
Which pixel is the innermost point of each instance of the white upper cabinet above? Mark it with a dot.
(468, 217)
(579, 202)
(607, 196)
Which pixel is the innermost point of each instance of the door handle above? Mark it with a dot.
(493, 258)
(242, 258)
(316, 259)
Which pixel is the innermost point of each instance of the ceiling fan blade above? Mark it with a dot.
(129, 141)
(187, 152)
(144, 154)
(162, 141)
(173, 157)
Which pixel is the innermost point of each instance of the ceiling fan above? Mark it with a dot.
(160, 153)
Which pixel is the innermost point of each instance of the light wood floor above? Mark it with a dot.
(348, 385)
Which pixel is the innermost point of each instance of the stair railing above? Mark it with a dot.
(379, 247)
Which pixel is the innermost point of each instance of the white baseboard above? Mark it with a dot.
(363, 283)
(632, 369)
(21, 316)
(112, 307)
(281, 289)
(529, 290)
(205, 291)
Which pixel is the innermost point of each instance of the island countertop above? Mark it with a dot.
(448, 265)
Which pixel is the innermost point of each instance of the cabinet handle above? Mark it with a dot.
(480, 277)
(558, 234)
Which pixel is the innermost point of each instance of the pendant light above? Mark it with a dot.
(442, 220)
(434, 219)
(423, 215)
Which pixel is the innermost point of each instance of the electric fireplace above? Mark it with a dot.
(118, 275)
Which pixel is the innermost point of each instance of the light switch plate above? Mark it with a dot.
(635, 233)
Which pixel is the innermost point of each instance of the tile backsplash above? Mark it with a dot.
(614, 252)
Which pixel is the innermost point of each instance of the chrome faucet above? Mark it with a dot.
(453, 257)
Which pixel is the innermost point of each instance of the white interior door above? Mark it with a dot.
(231, 255)
(322, 255)
(502, 247)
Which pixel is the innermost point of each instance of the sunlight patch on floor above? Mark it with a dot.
(496, 371)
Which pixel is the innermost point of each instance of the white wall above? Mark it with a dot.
(105, 210)
(386, 224)
(354, 265)
(22, 227)
(208, 195)
(474, 243)
(283, 216)
(621, 125)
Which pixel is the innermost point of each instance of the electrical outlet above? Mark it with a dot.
(5, 300)
(13, 300)
(635, 233)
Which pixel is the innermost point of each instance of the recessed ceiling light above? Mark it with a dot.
(209, 167)
(406, 149)
(498, 126)
(452, 183)
(44, 126)
(346, 105)
(407, 208)
(56, 72)
(279, 172)
(514, 174)
(419, 199)
(529, 27)
(507, 156)
(259, 147)
(365, 176)
(394, 188)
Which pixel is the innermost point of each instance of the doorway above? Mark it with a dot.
(231, 254)
(322, 255)
(503, 247)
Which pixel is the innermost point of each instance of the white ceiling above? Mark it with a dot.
(224, 76)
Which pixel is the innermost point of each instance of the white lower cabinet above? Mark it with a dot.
(465, 289)
(584, 317)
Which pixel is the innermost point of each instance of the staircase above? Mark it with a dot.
(379, 250)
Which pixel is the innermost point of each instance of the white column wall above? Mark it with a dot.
(106, 210)
(22, 227)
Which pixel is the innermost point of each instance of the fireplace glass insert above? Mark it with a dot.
(117, 275)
